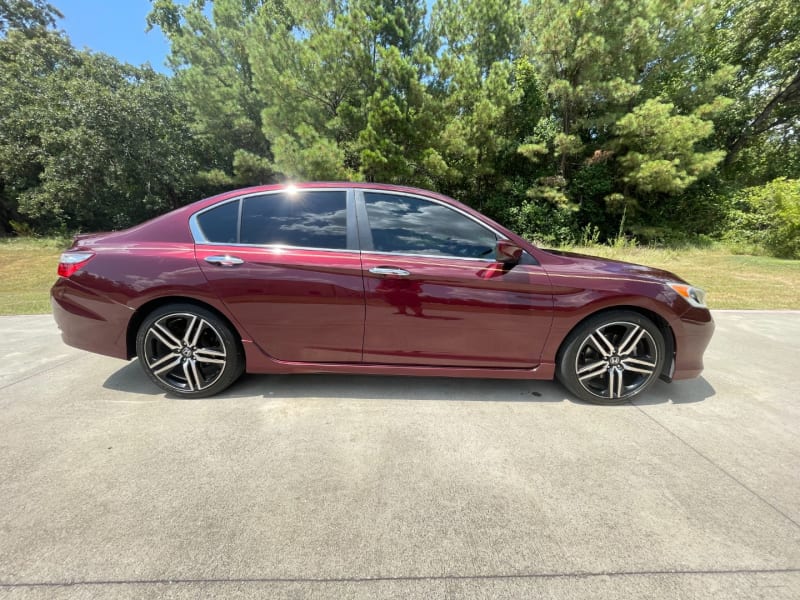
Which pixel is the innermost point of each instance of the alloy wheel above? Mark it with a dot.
(185, 352)
(616, 359)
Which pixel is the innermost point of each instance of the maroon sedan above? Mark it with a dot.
(375, 279)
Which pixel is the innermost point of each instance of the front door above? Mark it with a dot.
(435, 295)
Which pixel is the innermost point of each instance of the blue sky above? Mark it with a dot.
(116, 27)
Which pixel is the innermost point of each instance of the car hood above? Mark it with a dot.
(574, 263)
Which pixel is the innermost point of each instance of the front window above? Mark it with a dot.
(409, 225)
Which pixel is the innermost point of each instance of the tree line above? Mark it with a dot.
(568, 120)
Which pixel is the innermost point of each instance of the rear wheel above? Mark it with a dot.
(612, 357)
(189, 351)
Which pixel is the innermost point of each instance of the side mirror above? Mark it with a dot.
(507, 252)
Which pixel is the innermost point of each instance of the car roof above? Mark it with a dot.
(164, 226)
(384, 187)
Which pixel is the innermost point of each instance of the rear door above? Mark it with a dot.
(436, 296)
(286, 264)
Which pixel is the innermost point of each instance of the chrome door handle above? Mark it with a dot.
(224, 261)
(389, 271)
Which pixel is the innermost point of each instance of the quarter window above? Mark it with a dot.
(414, 226)
(316, 219)
(219, 224)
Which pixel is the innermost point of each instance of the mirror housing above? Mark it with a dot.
(507, 252)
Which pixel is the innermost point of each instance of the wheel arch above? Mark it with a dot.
(657, 319)
(148, 307)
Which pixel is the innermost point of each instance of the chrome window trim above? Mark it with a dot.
(277, 247)
(200, 238)
(437, 256)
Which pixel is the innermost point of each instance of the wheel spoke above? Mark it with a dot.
(629, 345)
(639, 362)
(605, 351)
(187, 374)
(638, 366)
(592, 366)
(596, 369)
(161, 360)
(198, 379)
(193, 330)
(594, 374)
(165, 336)
(614, 383)
(168, 367)
(207, 355)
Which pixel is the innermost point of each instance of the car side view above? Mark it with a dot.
(373, 279)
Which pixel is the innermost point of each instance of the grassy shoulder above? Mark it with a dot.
(730, 280)
(28, 269)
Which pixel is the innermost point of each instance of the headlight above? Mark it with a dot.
(693, 295)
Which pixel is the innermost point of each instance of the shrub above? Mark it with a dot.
(768, 215)
(536, 219)
(544, 222)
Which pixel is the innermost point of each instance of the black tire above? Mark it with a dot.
(611, 357)
(189, 351)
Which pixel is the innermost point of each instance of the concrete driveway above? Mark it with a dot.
(361, 487)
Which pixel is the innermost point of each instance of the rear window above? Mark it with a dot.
(219, 224)
(316, 219)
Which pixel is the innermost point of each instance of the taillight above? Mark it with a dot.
(72, 261)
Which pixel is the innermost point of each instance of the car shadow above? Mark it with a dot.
(688, 391)
(132, 379)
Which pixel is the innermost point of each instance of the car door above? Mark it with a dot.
(287, 266)
(436, 296)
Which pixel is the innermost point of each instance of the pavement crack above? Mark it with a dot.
(381, 579)
(717, 466)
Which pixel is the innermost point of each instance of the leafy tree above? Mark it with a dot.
(556, 116)
(338, 81)
(760, 38)
(210, 55)
(629, 98)
(768, 215)
(87, 142)
(24, 19)
(657, 148)
(488, 98)
(28, 16)
(309, 72)
(488, 31)
(396, 144)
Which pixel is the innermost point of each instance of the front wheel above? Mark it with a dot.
(612, 357)
(188, 351)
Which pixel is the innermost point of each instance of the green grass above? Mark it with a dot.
(730, 280)
(28, 269)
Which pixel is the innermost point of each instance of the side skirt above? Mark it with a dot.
(258, 363)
